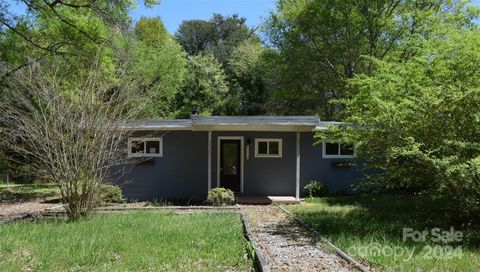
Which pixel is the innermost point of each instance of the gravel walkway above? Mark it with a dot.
(286, 246)
(11, 209)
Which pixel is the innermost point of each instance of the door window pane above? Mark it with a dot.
(230, 157)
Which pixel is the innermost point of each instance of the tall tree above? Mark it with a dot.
(160, 65)
(418, 120)
(74, 30)
(205, 88)
(218, 36)
(320, 44)
(239, 52)
(246, 66)
(195, 36)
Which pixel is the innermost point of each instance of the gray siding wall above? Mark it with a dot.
(272, 176)
(315, 167)
(180, 173)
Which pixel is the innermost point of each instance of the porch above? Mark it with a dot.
(266, 200)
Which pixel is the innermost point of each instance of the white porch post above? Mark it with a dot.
(297, 188)
(209, 160)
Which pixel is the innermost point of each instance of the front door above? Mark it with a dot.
(230, 164)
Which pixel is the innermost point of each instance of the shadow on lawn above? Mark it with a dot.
(383, 217)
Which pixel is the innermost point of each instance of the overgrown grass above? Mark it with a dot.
(370, 227)
(133, 241)
(24, 192)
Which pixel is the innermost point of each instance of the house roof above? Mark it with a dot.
(234, 123)
(173, 124)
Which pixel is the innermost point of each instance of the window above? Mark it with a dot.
(338, 150)
(145, 147)
(268, 148)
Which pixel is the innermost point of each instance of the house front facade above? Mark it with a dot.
(251, 155)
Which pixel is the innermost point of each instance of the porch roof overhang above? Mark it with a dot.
(177, 124)
(255, 123)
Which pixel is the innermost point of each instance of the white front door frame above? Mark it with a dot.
(242, 150)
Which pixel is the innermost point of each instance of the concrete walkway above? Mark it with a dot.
(286, 246)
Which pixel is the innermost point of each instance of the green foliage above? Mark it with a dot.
(239, 52)
(159, 64)
(417, 121)
(110, 193)
(320, 45)
(316, 189)
(357, 224)
(218, 36)
(195, 36)
(220, 197)
(205, 88)
(248, 93)
(14, 193)
(151, 31)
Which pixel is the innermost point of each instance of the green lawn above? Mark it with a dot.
(133, 241)
(370, 228)
(23, 192)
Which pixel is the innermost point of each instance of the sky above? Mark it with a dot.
(174, 12)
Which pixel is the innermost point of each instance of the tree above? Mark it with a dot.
(218, 36)
(239, 52)
(246, 66)
(73, 129)
(76, 31)
(320, 45)
(195, 36)
(160, 66)
(151, 31)
(417, 121)
(205, 89)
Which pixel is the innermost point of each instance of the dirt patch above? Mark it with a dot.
(287, 246)
(11, 209)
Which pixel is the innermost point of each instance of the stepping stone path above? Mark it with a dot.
(285, 245)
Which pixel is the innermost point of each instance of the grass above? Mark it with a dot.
(370, 228)
(132, 241)
(24, 192)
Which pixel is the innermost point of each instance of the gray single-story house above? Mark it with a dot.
(251, 155)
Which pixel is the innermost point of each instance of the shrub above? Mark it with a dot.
(221, 196)
(110, 193)
(316, 189)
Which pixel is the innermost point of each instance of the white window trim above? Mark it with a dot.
(324, 151)
(143, 155)
(268, 140)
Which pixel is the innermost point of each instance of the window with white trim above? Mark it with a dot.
(338, 150)
(145, 147)
(268, 148)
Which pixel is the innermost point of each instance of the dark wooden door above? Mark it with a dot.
(230, 164)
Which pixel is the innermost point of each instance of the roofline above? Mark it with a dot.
(247, 124)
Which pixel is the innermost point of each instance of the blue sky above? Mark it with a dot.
(173, 12)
